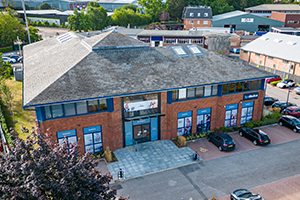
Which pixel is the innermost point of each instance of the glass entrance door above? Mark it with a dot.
(141, 133)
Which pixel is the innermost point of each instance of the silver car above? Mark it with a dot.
(11, 60)
(297, 90)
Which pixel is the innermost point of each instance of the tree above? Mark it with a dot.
(175, 8)
(10, 27)
(130, 6)
(44, 6)
(152, 7)
(79, 21)
(221, 6)
(6, 69)
(123, 17)
(37, 169)
(8, 97)
(98, 16)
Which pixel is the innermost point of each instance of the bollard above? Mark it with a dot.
(121, 174)
(195, 156)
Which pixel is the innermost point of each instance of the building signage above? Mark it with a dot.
(142, 105)
(247, 19)
(251, 96)
(67, 133)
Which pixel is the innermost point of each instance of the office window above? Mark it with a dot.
(239, 87)
(48, 112)
(174, 95)
(103, 104)
(258, 84)
(191, 93)
(293, 22)
(198, 22)
(254, 85)
(285, 61)
(93, 106)
(81, 107)
(205, 22)
(199, 92)
(274, 65)
(225, 88)
(245, 51)
(182, 94)
(231, 88)
(191, 22)
(205, 14)
(207, 91)
(57, 111)
(69, 109)
(246, 86)
(257, 54)
(271, 58)
(191, 14)
(215, 90)
(199, 14)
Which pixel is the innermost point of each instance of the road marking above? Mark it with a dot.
(203, 150)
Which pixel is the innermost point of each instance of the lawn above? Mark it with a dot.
(22, 117)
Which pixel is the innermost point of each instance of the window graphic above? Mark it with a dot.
(231, 115)
(93, 139)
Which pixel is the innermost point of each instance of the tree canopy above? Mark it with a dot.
(37, 169)
(153, 8)
(44, 6)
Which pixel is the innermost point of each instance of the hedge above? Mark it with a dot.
(6, 49)
(5, 128)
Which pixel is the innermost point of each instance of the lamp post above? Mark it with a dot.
(287, 99)
(26, 21)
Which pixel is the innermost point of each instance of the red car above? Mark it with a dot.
(275, 78)
(293, 111)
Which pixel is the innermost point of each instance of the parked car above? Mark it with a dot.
(235, 50)
(282, 105)
(293, 111)
(244, 194)
(286, 83)
(275, 78)
(297, 90)
(269, 101)
(222, 140)
(290, 122)
(16, 57)
(255, 135)
(11, 60)
(20, 60)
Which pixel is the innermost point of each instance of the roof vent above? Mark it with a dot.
(277, 40)
(264, 38)
(291, 43)
(65, 37)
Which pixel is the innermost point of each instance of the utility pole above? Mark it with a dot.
(23, 4)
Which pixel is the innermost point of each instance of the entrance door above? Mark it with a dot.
(141, 133)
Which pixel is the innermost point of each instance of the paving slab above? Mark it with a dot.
(150, 157)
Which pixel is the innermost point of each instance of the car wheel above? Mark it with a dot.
(255, 142)
(241, 133)
(220, 148)
(295, 130)
(280, 123)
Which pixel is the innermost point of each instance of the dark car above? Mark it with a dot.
(293, 111)
(255, 135)
(290, 122)
(269, 101)
(20, 60)
(15, 57)
(235, 50)
(275, 78)
(282, 105)
(244, 194)
(222, 140)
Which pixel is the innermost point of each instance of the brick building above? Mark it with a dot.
(196, 16)
(289, 19)
(278, 53)
(111, 90)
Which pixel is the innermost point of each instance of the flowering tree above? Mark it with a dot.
(38, 169)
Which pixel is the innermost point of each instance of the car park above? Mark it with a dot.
(268, 101)
(290, 122)
(286, 83)
(235, 50)
(275, 78)
(16, 57)
(282, 105)
(293, 111)
(297, 90)
(222, 140)
(244, 194)
(11, 60)
(255, 135)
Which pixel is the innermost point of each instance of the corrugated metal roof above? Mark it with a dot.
(275, 7)
(47, 12)
(228, 15)
(277, 45)
(177, 33)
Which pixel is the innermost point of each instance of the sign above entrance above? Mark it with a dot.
(141, 121)
(142, 105)
(250, 96)
(247, 19)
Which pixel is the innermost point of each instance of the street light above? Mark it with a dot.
(26, 21)
(289, 83)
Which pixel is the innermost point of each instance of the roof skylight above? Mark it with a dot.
(179, 51)
(65, 37)
(195, 50)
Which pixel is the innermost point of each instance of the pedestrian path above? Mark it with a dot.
(150, 157)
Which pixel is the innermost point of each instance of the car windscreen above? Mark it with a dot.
(228, 141)
(296, 122)
(283, 81)
(264, 137)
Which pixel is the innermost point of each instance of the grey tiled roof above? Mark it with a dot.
(62, 72)
(195, 10)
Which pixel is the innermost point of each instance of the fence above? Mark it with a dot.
(4, 143)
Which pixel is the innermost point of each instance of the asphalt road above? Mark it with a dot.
(216, 177)
(281, 94)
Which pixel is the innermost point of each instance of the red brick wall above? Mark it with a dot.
(285, 17)
(111, 123)
(187, 25)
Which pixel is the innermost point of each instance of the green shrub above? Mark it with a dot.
(39, 23)
(270, 121)
(46, 23)
(223, 129)
(275, 82)
(181, 140)
(53, 25)
(253, 124)
(6, 49)
(236, 128)
(275, 115)
(107, 154)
